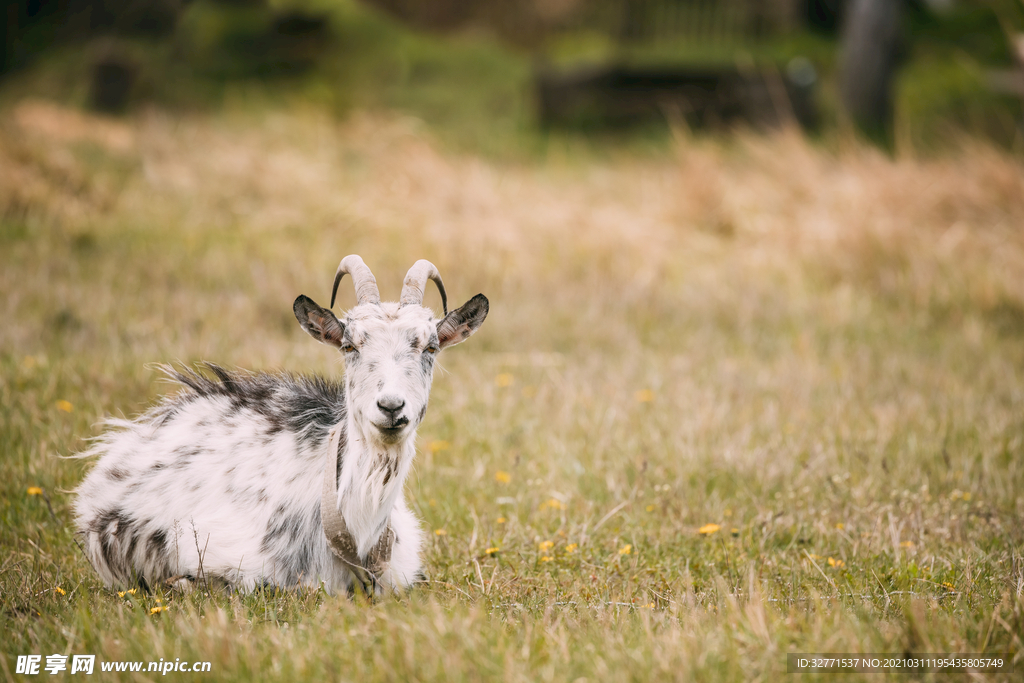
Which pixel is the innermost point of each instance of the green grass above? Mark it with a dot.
(820, 353)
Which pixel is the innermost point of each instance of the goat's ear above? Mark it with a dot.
(458, 325)
(318, 322)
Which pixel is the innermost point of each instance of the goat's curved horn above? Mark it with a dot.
(416, 282)
(366, 285)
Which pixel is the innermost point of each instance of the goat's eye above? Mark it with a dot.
(347, 347)
(431, 349)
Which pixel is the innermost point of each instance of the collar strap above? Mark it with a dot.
(367, 573)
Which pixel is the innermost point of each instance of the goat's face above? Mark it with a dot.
(389, 351)
(389, 364)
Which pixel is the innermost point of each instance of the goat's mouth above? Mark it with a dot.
(392, 429)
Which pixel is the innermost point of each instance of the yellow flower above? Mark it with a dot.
(571, 548)
(436, 446)
(65, 406)
(626, 549)
(643, 396)
(546, 545)
(158, 608)
(967, 495)
(34, 491)
(553, 503)
(815, 557)
(440, 532)
(649, 605)
(708, 529)
(734, 531)
(840, 526)
(501, 520)
(650, 508)
(949, 586)
(547, 558)
(130, 591)
(504, 380)
(491, 551)
(60, 590)
(502, 476)
(907, 544)
(835, 563)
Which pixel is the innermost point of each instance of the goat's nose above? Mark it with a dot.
(390, 405)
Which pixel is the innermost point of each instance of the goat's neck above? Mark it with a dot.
(370, 482)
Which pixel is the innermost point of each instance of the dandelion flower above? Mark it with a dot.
(65, 406)
(501, 520)
(440, 532)
(491, 551)
(504, 380)
(34, 491)
(650, 508)
(547, 558)
(840, 526)
(907, 544)
(626, 549)
(815, 557)
(708, 529)
(734, 531)
(571, 548)
(553, 503)
(835, 563)
(60, 590)
(157, 609)
(546, 545)
(644, 396)
(502, 476)
(130, 591)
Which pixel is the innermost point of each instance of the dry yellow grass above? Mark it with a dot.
(750, 397)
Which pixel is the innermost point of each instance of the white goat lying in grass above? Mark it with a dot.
(256, 479)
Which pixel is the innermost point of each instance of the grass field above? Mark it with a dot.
(746, 398)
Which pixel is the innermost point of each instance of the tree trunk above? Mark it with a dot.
(871, 47)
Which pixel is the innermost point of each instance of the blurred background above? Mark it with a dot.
(501, 75)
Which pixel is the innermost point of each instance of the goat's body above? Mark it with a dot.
(222, 483)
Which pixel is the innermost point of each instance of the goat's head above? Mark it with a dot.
(389, 348)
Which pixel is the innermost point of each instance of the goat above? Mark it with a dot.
(255, 480)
